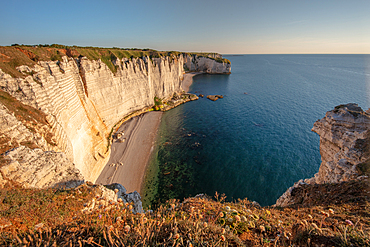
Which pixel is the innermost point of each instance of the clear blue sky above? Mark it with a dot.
(233, 26)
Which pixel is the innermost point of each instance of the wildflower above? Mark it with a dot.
(221, 214)
(118, 219)
(223, 238)
(173, 206)
(237, 218)
(268, 212)
(227, 208)
(223, 231)
(262, 228)
(145, 220)
(331, 211)
(127, 228)
(100, 216)
(348, 222)
(176, 236)
(39, 226)
(205, 224)
(130, 207)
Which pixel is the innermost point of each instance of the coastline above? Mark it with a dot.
(129, 159)
(188, 80)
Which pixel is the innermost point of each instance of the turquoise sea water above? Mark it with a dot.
(256, 141)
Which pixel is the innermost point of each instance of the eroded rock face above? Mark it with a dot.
(14, 133)
(203, 64)
(344, 135)
(107, 193)
(34, 168)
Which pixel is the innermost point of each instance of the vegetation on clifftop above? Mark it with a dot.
(16, 55)
(35, 217)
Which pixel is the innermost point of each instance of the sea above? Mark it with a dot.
(256, 141)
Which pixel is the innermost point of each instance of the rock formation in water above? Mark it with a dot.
(344, 148)
(81, 100)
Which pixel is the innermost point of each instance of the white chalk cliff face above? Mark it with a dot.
(342, 132)
(344, 136)
(203, 64)
(83, 100)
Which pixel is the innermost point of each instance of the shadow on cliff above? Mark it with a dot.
(354, 191)
(68, 184)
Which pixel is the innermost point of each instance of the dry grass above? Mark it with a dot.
(47, 217)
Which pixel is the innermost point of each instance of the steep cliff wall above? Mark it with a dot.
(207, 65)
(83, 99)
(344, 148)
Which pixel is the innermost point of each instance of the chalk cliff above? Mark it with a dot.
(344, 148)
(207, 65)
(83, 99)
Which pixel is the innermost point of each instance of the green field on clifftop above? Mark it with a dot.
(13, 56)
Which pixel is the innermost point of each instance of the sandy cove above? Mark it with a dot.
(188, 80)
(131, 152)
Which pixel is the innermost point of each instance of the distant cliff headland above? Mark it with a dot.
(65, 101)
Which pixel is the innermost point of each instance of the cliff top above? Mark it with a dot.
(17, 55)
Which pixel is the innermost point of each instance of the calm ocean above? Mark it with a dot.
(256, 141)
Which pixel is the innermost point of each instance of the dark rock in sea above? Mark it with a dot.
(212, 97)
(178, 100)
(201, 95)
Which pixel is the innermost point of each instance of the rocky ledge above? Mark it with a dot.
(35, 168)
(344, 148)
(178, 99)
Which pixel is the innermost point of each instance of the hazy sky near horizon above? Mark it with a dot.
(227, 27)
